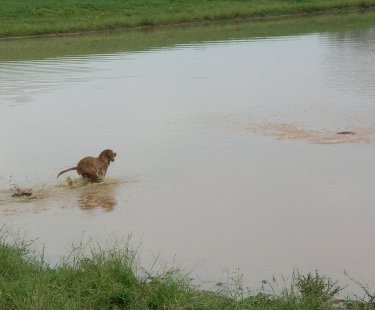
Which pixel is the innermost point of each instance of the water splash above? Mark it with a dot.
(17, 194)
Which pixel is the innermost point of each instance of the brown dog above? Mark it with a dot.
(93, 168)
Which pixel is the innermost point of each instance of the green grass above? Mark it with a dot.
(114, 279)
(38, 17)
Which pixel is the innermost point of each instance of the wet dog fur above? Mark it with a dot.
(94, 168)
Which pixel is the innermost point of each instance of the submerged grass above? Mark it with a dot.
(114, 279)
(19, 17)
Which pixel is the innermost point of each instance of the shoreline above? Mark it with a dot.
(297, 11)
(113, 278)
(188, 24)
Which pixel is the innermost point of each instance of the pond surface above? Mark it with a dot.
(228, 152)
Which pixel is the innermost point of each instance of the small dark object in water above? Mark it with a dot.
(346, 133)
(22, 194)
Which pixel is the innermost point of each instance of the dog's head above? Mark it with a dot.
(108, 155)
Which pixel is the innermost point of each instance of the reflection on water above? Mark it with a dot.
(19, 81)
(356, 50)
(93, 197)
(191, 123)
(149, 39)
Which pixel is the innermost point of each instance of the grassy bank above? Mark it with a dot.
(19, 17)
(109, 42)
(114, 279)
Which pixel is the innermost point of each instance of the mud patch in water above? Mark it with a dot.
(84, 194)
(284, 131)
(19, 192)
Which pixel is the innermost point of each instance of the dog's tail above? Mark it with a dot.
(74, 168)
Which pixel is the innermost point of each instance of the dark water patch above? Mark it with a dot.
(346, 132)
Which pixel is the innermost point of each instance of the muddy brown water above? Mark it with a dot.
(228, 152)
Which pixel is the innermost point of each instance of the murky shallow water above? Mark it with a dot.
(228, 152)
